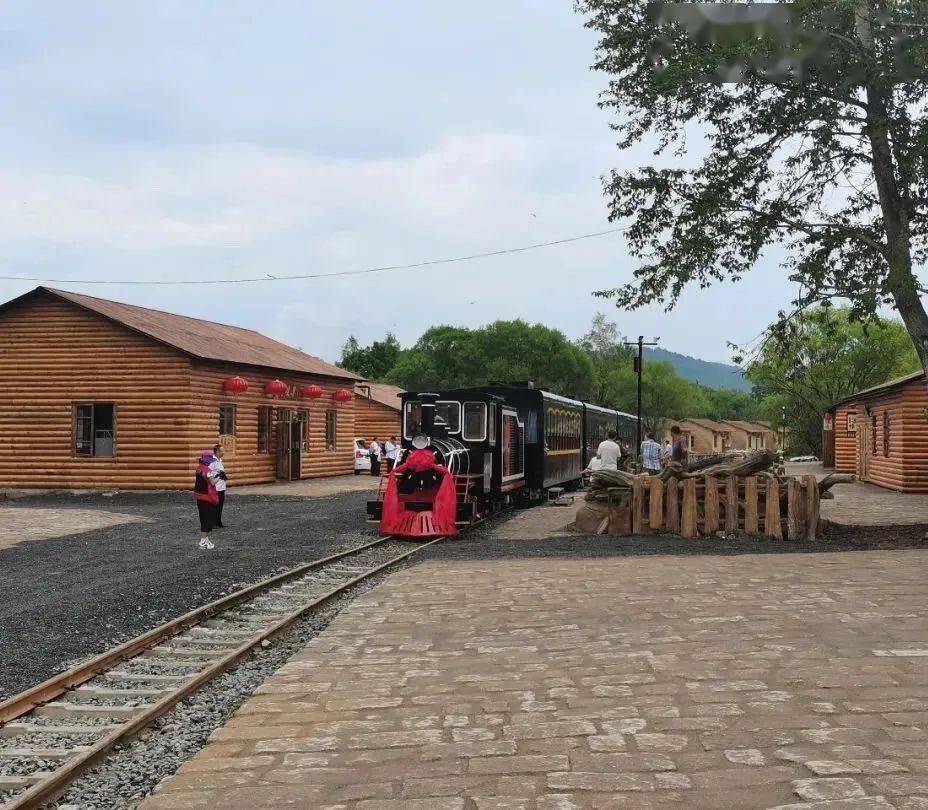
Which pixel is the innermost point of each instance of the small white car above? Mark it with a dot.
(804, 459)
(362, 457)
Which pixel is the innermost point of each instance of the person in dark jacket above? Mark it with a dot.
(206, 496)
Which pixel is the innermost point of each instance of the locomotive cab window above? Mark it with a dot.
(95, 430)
(450, 412)
(412, 420)
(475, 422)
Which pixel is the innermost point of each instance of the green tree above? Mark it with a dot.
(605, 347)
(820, 357)
(830, 160)
(372, 362)
(451, 357)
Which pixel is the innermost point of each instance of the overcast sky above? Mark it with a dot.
(177, 140)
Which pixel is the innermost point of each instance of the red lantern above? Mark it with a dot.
(276, 388)
(236, 385)
(311, 391)
(342, 395)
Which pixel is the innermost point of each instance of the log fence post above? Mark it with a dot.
(711, 505)
(794, 509)
(731, 505)
(673, 506)
(751, 523)
(813, 507)
(656, 515)
(637, 504)
(688, 522)
(772, 527)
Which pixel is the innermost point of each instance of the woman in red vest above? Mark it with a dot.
(207, 497)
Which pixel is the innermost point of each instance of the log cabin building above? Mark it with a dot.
(881, 434)
(378, 411)
(100, 394)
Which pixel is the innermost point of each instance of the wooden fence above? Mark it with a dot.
(782, 508)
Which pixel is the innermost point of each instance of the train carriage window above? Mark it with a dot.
(475, 422)
(412, 423)
(491, 423)
(450, 412)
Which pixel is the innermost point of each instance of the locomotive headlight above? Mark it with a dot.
(421, 441)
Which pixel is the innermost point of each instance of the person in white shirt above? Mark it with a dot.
(376, 452)
(392, 450)
(596, 463)
(609, 452)
(218, 469)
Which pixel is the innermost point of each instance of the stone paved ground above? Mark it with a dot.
(755, 681)
(18, 525)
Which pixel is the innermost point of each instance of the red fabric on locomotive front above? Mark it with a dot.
(444, 504)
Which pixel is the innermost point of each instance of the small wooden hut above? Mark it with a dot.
(100, 394)
(881, 434)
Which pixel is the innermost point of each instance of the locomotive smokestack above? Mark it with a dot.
(427, 401)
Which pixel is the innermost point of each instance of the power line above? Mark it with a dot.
(309, 276)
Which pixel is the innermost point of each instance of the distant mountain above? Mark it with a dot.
(714, 375)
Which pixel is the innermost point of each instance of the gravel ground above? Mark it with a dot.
(65, 599)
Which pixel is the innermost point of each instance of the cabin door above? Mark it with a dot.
(863, 445)
(297, 426)
(284, 444)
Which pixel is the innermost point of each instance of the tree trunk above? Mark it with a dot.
(900, 282)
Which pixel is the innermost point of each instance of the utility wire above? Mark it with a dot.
(308, 276)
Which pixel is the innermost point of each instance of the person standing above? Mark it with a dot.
(375, 456)
(667, 451)
(219, 470)
(651, 455)
(207, 498)
(391, 448)
(679, 452)
(609, 452)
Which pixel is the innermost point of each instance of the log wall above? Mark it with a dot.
(373, 418)
(244, 464)
(845, 441)
(54, 355)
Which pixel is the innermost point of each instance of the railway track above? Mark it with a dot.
(52, 733)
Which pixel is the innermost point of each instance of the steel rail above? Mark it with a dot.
(58, 781)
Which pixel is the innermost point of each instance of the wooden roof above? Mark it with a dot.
(388, 395)
(198, 338)
(889, 385)
(749, 426)
(708, 424)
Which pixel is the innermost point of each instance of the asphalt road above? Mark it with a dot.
(65, 599)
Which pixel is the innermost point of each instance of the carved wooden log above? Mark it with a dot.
(688, 521)
(657, 504)
(711, 525)
(751, 522)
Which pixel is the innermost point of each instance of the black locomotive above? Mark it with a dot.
(488, 446)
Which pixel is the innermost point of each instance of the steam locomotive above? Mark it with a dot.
(467, 452)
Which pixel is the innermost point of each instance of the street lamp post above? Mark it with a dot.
(639, 370)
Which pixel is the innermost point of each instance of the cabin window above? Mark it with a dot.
(450, 412)
(265, 421)
(886, 434)
(475, 422)
(412, 421)
(873, 434)
(491, 423)
(330, 430)
(95, 429)
(226, 420)
(302, 418)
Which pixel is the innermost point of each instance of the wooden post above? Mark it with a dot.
(656, 515)
(637, 504)
(751, 524)
(712, 504)
(813, 507)
(772, 526)
(731, 505)
(794, 504)
(688, 522)
(673, 507)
